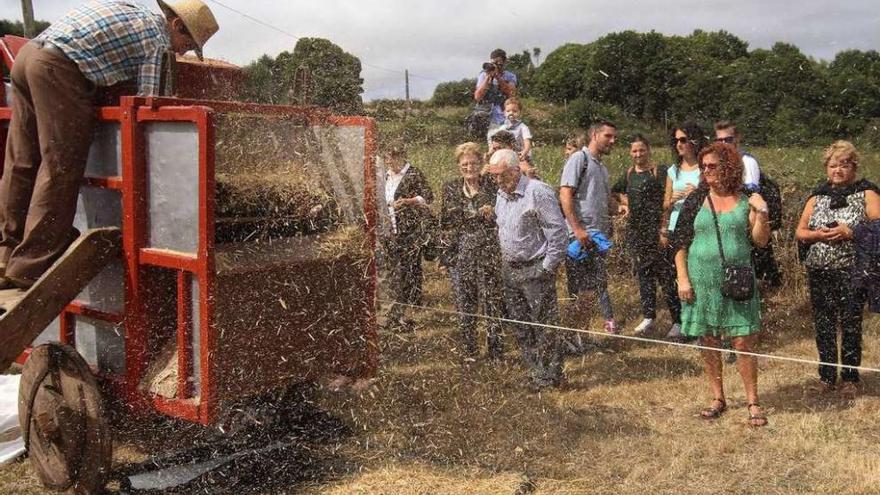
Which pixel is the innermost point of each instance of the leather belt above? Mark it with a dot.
(523, 264)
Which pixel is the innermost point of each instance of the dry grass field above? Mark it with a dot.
(626, 424)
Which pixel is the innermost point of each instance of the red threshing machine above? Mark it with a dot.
(227, 252)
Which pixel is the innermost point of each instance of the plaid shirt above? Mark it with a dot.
(113, 41)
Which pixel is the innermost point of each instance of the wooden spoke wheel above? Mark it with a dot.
(62, 420)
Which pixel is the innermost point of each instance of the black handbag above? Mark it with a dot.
(739, 280)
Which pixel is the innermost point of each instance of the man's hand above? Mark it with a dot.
(404, 202)
(583, 237)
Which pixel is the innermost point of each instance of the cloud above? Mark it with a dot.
(447, 40)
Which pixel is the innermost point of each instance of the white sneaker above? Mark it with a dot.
(674, 332)
(644, 327)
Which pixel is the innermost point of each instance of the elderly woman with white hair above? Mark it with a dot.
(470, 250)
(533, 239)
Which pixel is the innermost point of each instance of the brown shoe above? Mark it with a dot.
(21, 283)
(821, 388)
(849, 391)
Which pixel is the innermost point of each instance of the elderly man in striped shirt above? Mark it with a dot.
(533, 240)
(54, 79)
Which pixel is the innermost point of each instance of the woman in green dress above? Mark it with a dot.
(706, 313)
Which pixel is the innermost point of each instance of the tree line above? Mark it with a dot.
(779, 95)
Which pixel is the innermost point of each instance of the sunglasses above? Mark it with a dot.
(727, 140)
(709, 166)
(681, 140)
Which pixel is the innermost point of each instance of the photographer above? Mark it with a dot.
(494, 86)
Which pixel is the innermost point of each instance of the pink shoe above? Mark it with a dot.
(611, 327)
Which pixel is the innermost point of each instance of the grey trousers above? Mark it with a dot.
(530, 296)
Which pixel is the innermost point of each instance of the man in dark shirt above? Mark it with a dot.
(640, 191)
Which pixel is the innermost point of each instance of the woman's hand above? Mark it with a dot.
(487, 211)
(838, 234)
(757, 203)
(664, 240)
(685, 291)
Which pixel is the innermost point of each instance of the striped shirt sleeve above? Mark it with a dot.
(151, 71)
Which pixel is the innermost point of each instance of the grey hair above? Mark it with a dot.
(506, 156)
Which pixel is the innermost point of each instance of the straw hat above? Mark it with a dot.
(197, 18)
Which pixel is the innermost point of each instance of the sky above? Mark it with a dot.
(441, 41)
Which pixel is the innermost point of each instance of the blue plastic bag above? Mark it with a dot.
(600, 243)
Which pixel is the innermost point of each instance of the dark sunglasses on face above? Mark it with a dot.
(681, 140)
(728, 140)
(708, 166)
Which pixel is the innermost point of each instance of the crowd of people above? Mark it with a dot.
(699, 229)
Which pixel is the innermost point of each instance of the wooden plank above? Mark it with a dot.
(62, 282)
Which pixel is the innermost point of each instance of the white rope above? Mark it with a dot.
(639, 339)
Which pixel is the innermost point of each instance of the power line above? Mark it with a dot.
(297, 38)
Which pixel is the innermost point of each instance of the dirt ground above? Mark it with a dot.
(627, 423)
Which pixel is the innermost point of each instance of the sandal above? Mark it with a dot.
(713, 412)
(756, 420)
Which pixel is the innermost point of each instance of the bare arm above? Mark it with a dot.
(803, 232)
(759, 221)
(527, 147)
(685, 291)
(506, 87)
(667, 195)
(872, 205)
(480, 92)
(566, 199)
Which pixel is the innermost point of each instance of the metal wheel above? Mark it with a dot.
(62, 420)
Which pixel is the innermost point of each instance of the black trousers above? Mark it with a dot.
(837, 304)
(653, 268)
(404, 262)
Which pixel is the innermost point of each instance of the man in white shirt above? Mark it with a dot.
(726, 132)
(407, 195)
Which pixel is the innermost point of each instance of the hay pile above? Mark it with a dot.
(346, 241)
(284, 190)
(161, 376)
(266, 184)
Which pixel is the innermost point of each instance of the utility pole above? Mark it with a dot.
(27, 14)
(408, 105)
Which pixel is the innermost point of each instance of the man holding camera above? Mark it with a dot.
(494, 86)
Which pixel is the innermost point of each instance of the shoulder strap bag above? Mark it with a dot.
(739, 280)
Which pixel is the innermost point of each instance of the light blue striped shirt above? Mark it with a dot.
(530, 224)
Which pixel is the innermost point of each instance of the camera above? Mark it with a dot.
(489, 66)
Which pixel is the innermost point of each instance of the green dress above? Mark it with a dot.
(711, 313)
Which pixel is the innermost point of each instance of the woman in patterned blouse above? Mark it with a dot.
(826, 225)
(470, 249)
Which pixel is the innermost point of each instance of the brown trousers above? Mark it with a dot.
(53, 120)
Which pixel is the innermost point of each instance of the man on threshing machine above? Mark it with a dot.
(54, 78)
